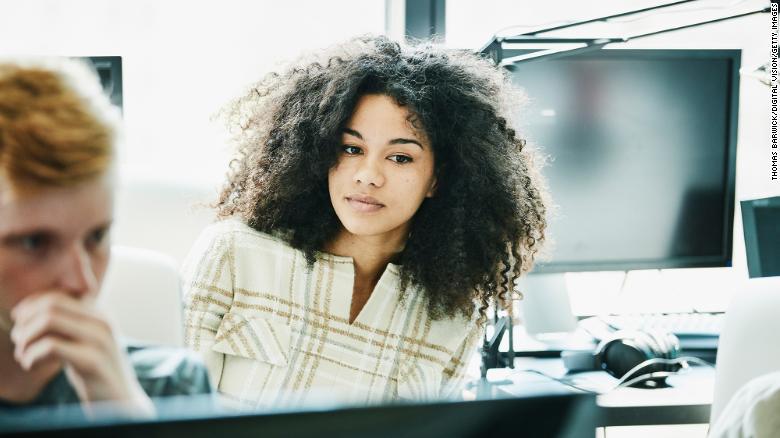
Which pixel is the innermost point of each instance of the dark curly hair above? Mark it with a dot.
(472, 240)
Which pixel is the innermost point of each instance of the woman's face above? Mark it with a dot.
(384, 172)
(54, 240)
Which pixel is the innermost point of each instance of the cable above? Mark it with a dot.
(682, 361)
(640, 16)
(560, 380)
(706, 8)
(623, 283)
(626, 380)
(658, 374)
(525, 26)
(643, 377)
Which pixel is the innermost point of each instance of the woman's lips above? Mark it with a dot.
(364, 206)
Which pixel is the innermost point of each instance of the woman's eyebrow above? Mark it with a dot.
(354, 133)
(405, 140)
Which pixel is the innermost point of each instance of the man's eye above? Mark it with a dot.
(401, 159)
(351, 150)
(33, 242)
(97, 236)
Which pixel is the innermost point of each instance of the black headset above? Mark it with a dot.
(624, 350)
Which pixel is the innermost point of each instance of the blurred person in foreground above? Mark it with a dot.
(58, 133)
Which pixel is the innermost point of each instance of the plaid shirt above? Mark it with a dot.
(274, 331)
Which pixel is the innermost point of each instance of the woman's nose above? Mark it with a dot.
(369, 172)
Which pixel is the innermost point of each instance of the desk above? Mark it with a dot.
(686, 401)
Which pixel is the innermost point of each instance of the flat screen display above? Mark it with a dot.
(641, 148)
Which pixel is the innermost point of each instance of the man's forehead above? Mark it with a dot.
(8, 201)
(54, 208)
(11, 193)
(19, 214)
(6, 193)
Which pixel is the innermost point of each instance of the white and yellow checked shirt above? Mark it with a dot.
(275, 332)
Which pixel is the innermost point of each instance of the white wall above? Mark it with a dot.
(182, 60)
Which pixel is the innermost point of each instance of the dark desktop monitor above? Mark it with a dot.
(109, 69)
(641, 147)
(572, 415)
(761, 226)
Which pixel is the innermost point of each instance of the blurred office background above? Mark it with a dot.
(183, 60)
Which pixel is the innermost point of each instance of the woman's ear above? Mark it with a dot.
(435, 182)
(432, 190)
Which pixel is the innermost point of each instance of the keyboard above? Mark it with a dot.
(680, 324)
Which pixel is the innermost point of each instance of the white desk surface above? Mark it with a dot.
(690, 393)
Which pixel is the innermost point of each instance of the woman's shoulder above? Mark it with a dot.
(444, 326)
(240, 233)
(234, 239)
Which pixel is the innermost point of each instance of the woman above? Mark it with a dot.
(379, 203)
(57, 136)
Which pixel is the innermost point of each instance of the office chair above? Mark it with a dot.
(141, 293)
(748, 346)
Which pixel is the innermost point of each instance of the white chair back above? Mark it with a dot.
(141, 293)
(749, 343)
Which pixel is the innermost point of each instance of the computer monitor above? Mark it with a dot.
(641, 147)
(571, 415)
(761, 226)
(109, 69)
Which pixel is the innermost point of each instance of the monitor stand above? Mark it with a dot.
(548, 323)
(545, 307)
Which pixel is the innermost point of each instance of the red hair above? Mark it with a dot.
(56, 126)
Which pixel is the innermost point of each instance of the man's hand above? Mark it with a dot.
(53, 326)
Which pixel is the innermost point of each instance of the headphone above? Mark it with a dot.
(624, 350)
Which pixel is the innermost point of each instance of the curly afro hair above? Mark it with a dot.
(470, 242)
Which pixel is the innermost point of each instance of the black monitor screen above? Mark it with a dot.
(641, 147)
(559, 414)
(761, 225)
(109, 69)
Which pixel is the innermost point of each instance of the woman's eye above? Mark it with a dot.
(401, 159)
(350, 150)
